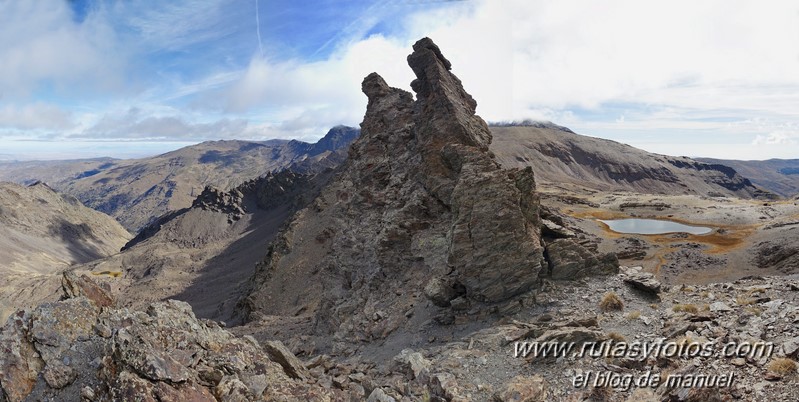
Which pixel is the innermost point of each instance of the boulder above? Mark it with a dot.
(640, 280)
(411, 363)
(549, 228)
(75, 285)
(569, 260)
(720, 307)
(791, 346)
(378, 395)
(281, 355)
(442, 291)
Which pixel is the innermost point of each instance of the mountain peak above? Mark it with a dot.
(441, 97)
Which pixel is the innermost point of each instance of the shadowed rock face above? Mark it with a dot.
(419, 199)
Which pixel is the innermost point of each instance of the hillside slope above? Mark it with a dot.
(558, 155)
(780, 176)
(137, 191)
(43, 232)
(205, 253)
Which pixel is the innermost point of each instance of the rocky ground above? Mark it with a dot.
(84, 348)
(483, 365)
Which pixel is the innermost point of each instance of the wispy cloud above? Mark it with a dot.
(701, 76)
(134, 124)
(173, 25)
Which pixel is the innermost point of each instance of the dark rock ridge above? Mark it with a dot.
(205, 254)
(284, 188)
(214, 199)
(776, 175)
(420, 208)
(339, 137)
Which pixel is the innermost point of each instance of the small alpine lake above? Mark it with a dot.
(653, 226)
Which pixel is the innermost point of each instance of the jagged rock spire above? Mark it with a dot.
(420, 201)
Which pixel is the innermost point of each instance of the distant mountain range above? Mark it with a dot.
(137, 191)
(559, 156)
(780, 176)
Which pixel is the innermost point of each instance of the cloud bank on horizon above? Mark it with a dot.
(713, 78)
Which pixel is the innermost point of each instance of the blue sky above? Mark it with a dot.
(131, 78)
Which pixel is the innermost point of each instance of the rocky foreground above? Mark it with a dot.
(83, 348)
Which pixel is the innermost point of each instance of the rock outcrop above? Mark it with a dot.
(74, 350)
(638, 279)
(214, 199)
(569, 260)
(419, 204)
(781, 253)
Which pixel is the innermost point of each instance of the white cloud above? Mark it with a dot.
(319, 95)
(174, 25)
(685, 65)
(575, 54)
(41, 45)
(35, 116)
(680, 69)
(778, 138)
(136, 124)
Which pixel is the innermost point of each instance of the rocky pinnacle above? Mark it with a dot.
(420, 207)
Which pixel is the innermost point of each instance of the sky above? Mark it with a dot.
(84, 78)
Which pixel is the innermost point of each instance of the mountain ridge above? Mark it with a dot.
(137, 191)
(780, 176)
(562, 156)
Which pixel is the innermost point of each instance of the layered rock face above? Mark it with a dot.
(419, 203)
